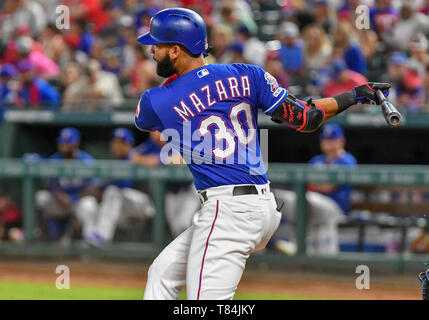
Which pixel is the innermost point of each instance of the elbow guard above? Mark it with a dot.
(301, 116)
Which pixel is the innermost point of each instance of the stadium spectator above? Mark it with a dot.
(143, 74)
(253, 49)
(105, 31)
(409, 25)
(292, 49)
(419, 53)
(342, 79)
(35, 91)
(103, 86)
(318, 51)
(9, 85)
(384, 17)
(44, 66)
(323, 15)
(10, 219)
(113, 201)
(222, 39)
(374, 54)
(234, 14)
(91, 11)
(347, 11)
(56, 205)
(181, 201)
(21, 13)
(54, 45)
(326, 203)
(347, 48)
(236, 51)
(273, 65)
(410, 92)
(75, 85)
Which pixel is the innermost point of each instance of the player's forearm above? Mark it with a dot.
(329, 105)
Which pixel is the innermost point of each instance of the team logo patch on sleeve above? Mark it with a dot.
(202, 73)
(271, 81)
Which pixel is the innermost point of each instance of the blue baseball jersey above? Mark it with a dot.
(209, 115)
(72, 186)
(341, 195)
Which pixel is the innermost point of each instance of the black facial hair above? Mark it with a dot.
(165, 68)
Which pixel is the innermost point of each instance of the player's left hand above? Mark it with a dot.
(366, 93)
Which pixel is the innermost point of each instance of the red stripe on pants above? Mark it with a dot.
(205, 250)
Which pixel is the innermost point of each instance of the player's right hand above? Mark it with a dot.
(366, 93)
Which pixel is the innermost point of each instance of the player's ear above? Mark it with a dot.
(174, 51)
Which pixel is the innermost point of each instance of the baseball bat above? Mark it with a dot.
(390, 113)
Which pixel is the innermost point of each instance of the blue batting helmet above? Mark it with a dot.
(177, 25)
(69, 135)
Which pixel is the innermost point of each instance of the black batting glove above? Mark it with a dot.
(362, 94)
(366, 93)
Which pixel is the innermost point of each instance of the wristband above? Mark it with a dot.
(345, 100)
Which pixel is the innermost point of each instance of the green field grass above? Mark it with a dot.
(32, 291)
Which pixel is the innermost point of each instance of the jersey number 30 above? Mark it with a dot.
(227, 134)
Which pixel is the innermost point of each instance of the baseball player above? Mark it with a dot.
(119, 200)
(57, 204)
(209, 114)
(180, 200)
(327, 203)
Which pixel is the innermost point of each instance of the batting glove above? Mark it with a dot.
(366, 92)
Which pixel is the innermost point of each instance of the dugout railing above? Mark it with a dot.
(298, 175)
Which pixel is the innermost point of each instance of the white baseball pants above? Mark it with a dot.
(180, 207)
(210, 256)
(117, 203)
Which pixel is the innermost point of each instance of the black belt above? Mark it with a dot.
(237, 191)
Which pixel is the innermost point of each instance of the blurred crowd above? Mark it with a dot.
(314, 47)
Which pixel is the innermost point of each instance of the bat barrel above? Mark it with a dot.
(390, 113)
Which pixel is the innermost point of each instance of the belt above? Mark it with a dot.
(237, 191)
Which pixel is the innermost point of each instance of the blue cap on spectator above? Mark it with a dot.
(244, 30)
(124, 135)
(236, 47)
(8, 70)
(69, 135)
(398, 58)
(331, 131)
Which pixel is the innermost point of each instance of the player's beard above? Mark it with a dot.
(165, 68)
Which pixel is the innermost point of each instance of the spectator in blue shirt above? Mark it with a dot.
(35, 91)
(292, 49)
(8, 85)
(347, 49)
(57, 204)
